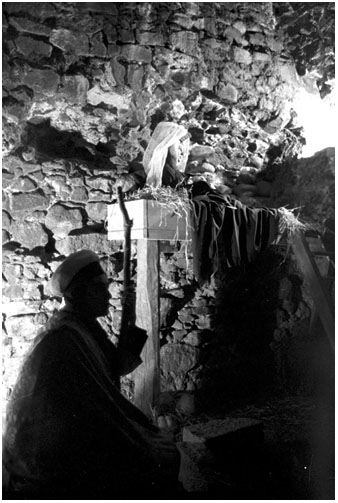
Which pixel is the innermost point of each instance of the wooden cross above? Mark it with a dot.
(152, 223)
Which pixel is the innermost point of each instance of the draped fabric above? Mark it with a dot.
(224, 223)
(70, 433)
(167, 137)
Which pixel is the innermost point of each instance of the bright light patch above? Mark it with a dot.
(317, 116)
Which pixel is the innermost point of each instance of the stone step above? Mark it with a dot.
(197, 467)
(226, 436)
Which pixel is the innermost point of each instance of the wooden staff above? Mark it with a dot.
(128, 311)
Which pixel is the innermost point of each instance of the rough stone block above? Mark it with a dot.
(183, 20)
(31, 290)
(178, 357)
(99, 195)
(23, 184)
(28, 202)
(116, 316)
(127, 36)
(12, 272)
(194, 338)
(25, 307)
(12, 292)
(227, 92)
(195, 467)
(150, 38)
(257, 39)
(21, 94)
(21, 326)
(72, 42)
(7, 179)
(261, 57)
(242, 56)
(177, 325)
(75, 88)
(79, 194)
(19, 349)
(210, 25)
(28, 26)
(29, 234)
(204, 321)
(91, 241)
(61, 220)
(99, 183)
(101, 7)
(114, 50)
(6, 220)
(178, 335)
(223, 436)
(15, 112)
(274, 45)
(233, 33)
(32, 48)
(118, 71)
(135, 77)
(42, 81)
(200, 152)
(136, 53)
(96, 95)
(97, 47)
(185, 41)
(217, 48)
(39, 10)
(185, 317)
(240, 26)
(97, 211)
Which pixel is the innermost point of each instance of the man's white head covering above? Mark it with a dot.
(68, 269)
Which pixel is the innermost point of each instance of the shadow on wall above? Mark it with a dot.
(240, 363)
(43, 142)
(263, 343)
(243, 359)
(216, 339)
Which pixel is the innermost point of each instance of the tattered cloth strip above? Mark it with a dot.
(167, 137)
(227, 230)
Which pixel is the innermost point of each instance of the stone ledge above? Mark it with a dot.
(196, 468)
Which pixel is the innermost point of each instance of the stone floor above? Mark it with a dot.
(294, 461)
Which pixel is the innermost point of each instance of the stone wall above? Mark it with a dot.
(84, 86)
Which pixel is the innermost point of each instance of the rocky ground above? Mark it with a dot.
(295, 461)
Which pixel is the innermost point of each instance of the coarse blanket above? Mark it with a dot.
(70, 433)
(227, 230)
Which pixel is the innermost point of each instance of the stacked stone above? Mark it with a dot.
(186, 325)
(84, 85)
(308, 184)
(69, 62)
(49, 211)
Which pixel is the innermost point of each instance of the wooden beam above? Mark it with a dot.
(147, 375)
(321, 297)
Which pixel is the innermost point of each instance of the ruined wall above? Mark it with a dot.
(84, 86)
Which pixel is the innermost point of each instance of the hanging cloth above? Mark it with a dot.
(167, 136)
(222, 222)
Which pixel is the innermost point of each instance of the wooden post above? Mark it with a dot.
(151, 224)
(147, 375)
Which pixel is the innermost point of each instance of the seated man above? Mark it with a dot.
(70, 433)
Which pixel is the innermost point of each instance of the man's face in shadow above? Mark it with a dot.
(91, 297)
